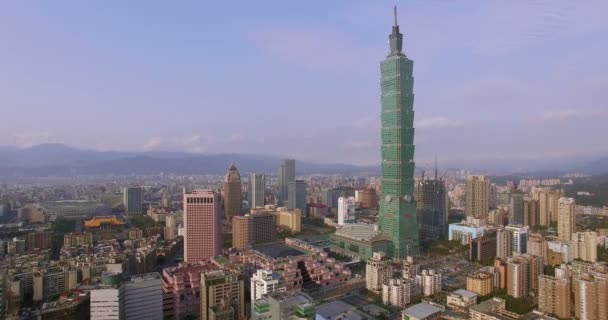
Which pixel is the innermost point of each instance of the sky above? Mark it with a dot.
(494, 80)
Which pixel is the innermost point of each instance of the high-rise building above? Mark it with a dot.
(232, 193)
(255, 228)
(202, 225)
(346, 210)
(531, 217)
(330, 196)
(566, 224)
(291, 219)
(432, 209)
(518, 277)
(133, 200)
(398, 292)
(297, 195)
(4, 293)
(477, 196)
(397, 217)
(368, 198)
(554, 296)
(591, 294)
(537, 246)
(548, 204)
(512, 241)
(378, 271)
(287, 174)
(39, 240)
(483, 249)
(257, 190)
(222, 295)
(585, 245)
(429, 281)
(516, 208)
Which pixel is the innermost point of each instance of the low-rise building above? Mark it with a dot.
(462, 299)
(423, 311)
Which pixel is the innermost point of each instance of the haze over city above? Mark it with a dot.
(301, 80)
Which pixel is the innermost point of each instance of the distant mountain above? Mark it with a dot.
(62, 160)
(597, 167)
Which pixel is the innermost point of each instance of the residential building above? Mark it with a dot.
(222, 295)
(548, 204)
(264, 282)
(133, 200)
(397, 217)
(77, 239)
(287, 174)
(516, 208)
(477, 196)
(512, 240)
(257, 190)
(481, 283)
(591, 294)
(39, 240)
(554, 296)
(531, 214)
(429, 281)
(483, 249)
(518, 277)
(232, 193)
(585, 245)
(296, 195)
(346, 210)
(398, 292)
(378, 271)
(255, 228)
(566, 224)
(202, 225)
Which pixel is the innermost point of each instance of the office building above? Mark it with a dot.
(378, 271)
(368, 198)
(255, 228)
(107, 303)
(477, 196)
(202, 225)
(585, 245)
(465, 231)
(232, 193)
(330, 196)
(483, 249)
(257, 190)
(133, 200)
(554, 296)
(432, 209)
(346, 210)
(222, 295)
(566, 224)
(287, 174)
(296, 195)
(481, 283)
(397, 216)
(143, 297)
(517, 208)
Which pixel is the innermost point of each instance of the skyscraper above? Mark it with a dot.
(132, 200)
(287, 174)
(554, 296)
(202, 225)
(477, 196)
(516, 207)
(518, 277)
(222, 295)
(232, 193)
(432, 209)
(397, 206)
(566, 224)
(297, 196)
(257, 190)
(256, 228)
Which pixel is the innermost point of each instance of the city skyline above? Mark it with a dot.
(132, 72)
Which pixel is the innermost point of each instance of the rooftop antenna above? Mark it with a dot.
(395, 14)
(435, 167)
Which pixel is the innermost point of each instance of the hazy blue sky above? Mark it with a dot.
(493, 79)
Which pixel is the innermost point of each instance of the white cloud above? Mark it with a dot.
(568, 114)
(153, 143)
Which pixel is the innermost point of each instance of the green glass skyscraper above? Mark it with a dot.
(397, 205)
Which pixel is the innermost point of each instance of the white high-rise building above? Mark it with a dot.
(585, 245)
(429, 281)
(512, 241)
(263, 282)
(397, 292)
(346, 210)
(378, 271)
(257, 190)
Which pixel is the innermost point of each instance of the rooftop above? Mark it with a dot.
(422, 310)
(278, 250)
(338, 308)
(465, 293)
(97, 221)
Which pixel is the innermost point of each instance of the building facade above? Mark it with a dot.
(257, 190)
(432, 209)
(397, 217)
(202, 225)
(222, 295)
(232, 193)
(477, 196)
(133, 200)
(256, 228)
(346, 210)
(287, 174)
(296, 195)
(566, 224)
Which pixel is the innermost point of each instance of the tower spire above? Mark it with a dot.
(395, 15)
(435, 167)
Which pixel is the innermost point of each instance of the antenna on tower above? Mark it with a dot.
(435, 167)
(395, 14)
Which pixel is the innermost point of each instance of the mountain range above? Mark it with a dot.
(62, 160)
